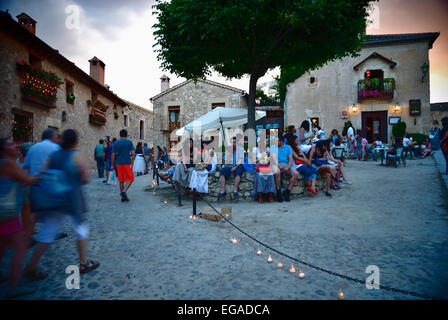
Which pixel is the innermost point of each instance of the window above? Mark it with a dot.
(173, 117)
(312, 80)
(218, 104)
(35, 61)
(69, 91)
(22, 126)
(94, 96)
(315, 122)
(142, 129)
(126, 120)
(372, 74)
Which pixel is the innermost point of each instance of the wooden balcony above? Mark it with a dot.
(168, 126)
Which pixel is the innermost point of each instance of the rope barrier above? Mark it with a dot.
(387, 288)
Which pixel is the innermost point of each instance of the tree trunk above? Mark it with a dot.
(251, 106)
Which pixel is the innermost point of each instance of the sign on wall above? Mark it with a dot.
(415, 107)
(344, 114)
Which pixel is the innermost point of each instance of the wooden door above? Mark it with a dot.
(374, 124)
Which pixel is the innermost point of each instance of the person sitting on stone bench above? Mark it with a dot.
(199, 176)
(236, 167)
(264, 182)
(320, 162)
(282, 163)
(182, 173)
(303, 165)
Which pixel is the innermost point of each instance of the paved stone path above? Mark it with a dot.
(393, 218)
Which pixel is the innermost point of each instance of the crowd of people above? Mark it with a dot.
(27, 175)
(294, 153)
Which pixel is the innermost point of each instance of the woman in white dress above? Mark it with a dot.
(139, 161)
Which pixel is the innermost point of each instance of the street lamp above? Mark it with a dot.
(354, 108)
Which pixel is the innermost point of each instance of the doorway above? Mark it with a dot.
(374, 124)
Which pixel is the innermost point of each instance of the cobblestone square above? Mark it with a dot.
(394, 218)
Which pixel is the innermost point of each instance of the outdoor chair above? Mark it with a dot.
(371, 154)
(399, 157)
(339, 154)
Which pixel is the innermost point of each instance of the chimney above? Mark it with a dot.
(165, 83)
(97, 69)
(27, 22)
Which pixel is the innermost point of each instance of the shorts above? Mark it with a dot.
(108, 165)
(225, 171)
(285, 165)
(10, 226)
(52, 223)
(308, 172)
(124, 173)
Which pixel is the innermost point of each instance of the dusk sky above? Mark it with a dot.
(119, 33)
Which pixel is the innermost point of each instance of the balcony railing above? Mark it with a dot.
(169, 126)
(376, 88)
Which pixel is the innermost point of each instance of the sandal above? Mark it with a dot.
(311, 190)
(35, 275)
(89, 266)
(328, 194)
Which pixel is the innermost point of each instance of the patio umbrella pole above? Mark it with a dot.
(194, 201)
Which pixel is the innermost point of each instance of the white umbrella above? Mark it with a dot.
(219, 118)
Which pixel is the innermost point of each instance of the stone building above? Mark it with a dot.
(439, 110)
(40, 88)
(177, 106)
(387, 82)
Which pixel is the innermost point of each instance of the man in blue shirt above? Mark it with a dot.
(283, 163)
(38, 155)
(122, 151)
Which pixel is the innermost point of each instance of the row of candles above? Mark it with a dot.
(280, 265)
(292, 269)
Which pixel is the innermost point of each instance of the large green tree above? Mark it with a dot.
(250, 37)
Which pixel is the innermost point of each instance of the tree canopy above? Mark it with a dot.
(250, 37)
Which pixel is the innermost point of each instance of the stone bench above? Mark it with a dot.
(247, 185)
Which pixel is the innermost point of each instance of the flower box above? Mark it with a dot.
(37, 85)
(97, 112)
(97, 119)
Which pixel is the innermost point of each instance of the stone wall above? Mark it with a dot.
(335, 89)
(77, 113)
(194, 100)
(247, 186)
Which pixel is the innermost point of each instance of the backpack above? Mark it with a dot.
(53, 190)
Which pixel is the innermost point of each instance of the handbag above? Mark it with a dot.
(112, 178)
(8, 204)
